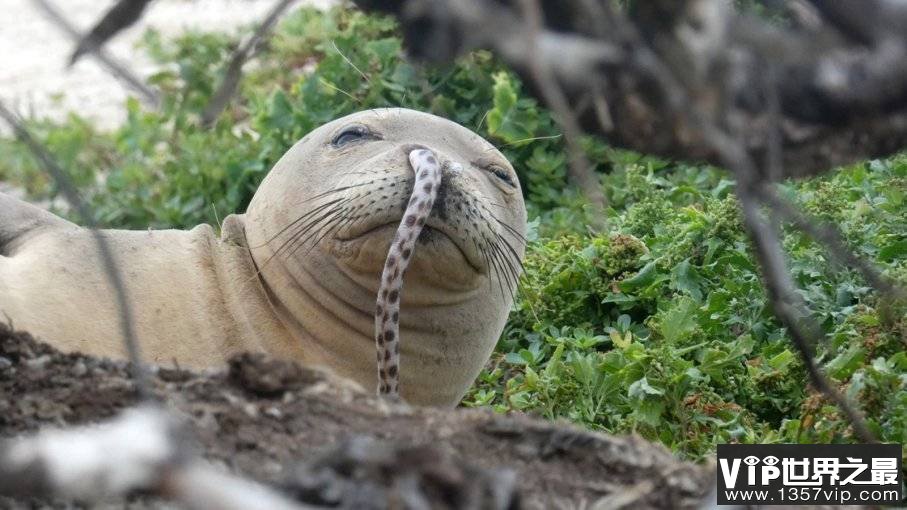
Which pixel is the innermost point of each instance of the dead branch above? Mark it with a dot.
(118, 70)
(122, 15)
(232, 76)
(841, 100)
(579, 169)
(791, 311)
(829, 236)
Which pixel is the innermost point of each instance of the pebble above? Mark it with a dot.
(79, 369)
(38, 363)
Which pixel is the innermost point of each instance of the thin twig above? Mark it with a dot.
(579, 168)
(66, 186)
(789, 307)
(232, 77)
(115, 68)
(828, 235)
(122, 15)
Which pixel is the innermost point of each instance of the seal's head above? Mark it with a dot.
(320, 225)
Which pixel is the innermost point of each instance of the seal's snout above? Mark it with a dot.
(451, 167)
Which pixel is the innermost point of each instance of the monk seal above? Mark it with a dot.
(297, 274)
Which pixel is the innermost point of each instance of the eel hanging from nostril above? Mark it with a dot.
(427, 171)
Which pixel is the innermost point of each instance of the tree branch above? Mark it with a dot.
(841, 101)
(232, 76)
(115, 68)
(123, 14)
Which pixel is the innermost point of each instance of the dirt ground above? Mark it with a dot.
(327, 443)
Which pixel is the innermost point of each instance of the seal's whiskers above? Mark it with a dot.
(387, 312)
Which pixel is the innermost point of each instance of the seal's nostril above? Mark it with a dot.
(413, 146)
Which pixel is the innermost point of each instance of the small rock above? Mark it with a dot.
(251, 410)
(79, 369)
(38, 363)
(269, 377)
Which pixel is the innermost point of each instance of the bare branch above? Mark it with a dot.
(829, 236)
(232, 76)
(579, 169)
(198, 486)
(123, 14)
(789, 308)
(91, 463)
(840, 101)
(118, 70)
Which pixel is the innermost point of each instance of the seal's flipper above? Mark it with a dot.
(18, 218)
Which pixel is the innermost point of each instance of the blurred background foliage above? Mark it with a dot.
(658, 326)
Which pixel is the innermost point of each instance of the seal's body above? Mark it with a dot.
(191, 296)
(297, 275)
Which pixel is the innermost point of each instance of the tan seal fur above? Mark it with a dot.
(296, 276)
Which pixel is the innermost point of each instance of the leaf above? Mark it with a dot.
(694, 374)
(649, 412)
(641, 387)
(510, 120)
(623, 322)
(685, 278)
(644, 277)
(619, 299)
(894, 250)
(528, 356)
(520, 400)
(843, 365)
(515, 358)
(387, 50)
(621, 341)
(679, 320)
(740, 347)
(781, 360)
(532, 229)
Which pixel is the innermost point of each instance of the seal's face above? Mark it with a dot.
(329, 209)
(367, 180)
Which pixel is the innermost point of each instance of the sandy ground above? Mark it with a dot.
(34, 79)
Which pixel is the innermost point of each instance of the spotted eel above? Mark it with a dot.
(427, 171)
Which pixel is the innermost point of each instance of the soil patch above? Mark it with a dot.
(326, 442)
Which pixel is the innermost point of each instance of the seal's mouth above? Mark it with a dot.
(435, 230)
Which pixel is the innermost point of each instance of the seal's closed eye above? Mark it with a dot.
(351, 133)
(501, 174)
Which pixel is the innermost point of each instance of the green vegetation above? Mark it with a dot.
(658, 326)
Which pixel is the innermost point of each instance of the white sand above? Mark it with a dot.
(33, 52)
